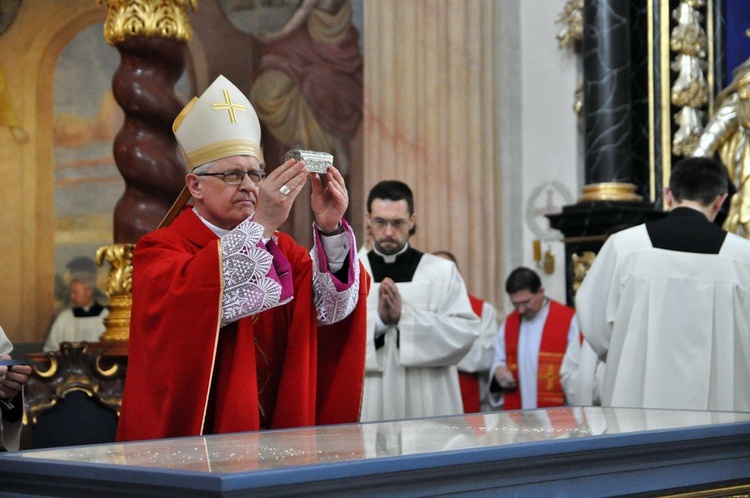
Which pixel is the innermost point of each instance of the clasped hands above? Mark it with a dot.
(328, 202)
(389, 302)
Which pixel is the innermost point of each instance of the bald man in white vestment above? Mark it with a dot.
(667, 304)
(420, 323)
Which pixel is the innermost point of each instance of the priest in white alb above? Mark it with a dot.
(420, 322)
(667, 303)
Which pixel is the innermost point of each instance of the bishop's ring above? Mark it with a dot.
(284, 190)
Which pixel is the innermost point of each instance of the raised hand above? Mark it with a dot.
(330, 202)
(277, 193)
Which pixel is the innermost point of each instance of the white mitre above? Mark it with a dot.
(220, 123)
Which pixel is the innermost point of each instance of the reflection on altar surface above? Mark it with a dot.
(527, 451)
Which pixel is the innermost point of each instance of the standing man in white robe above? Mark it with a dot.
(83, 321)
(667, 304)
(419, 319)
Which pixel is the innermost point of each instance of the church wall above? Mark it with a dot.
(431, 115)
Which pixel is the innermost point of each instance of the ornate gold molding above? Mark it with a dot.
(690, 91)
(609, 191)
(74, 367)
(572, 18)
(147, 18)
(571, 36)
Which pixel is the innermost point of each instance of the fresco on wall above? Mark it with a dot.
(87, 182)
(308, 92)
(8, 11)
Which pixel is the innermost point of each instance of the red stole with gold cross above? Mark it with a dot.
(551, 352)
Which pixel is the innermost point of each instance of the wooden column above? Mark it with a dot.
(151, 38)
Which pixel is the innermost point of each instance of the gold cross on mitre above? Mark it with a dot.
(229, 106)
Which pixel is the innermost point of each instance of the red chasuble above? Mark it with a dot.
(188, 376)
(469, 381)
(551, 352)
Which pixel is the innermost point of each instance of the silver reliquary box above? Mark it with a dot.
(317, 162)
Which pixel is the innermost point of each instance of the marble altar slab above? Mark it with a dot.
(562, 451)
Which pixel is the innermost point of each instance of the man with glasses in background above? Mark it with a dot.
(419, 322)
(235, 327)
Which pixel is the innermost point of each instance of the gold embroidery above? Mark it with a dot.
(230, 106)
(549, 373)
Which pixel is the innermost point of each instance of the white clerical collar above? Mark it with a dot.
(219, 232)
(391, 258)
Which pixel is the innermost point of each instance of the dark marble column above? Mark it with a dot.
(611, 93)
(606, 87)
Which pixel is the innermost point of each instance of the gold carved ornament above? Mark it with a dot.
(72, 368)
(581, 265)
(119, 289)
(147, 18)
(570, 36)
(690, 91)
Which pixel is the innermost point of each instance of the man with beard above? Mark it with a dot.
(419, 319)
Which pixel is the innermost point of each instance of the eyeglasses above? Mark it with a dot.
(236, 176)
(380, 223)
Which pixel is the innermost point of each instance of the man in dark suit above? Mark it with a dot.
(667, 303)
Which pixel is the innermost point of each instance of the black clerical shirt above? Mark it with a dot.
(401, 270)
(687, 230)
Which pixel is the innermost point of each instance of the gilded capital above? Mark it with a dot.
(147, 18)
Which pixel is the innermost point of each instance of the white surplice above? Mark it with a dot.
(68, 327)
(673, 327)
(582, 375)
(418, 376)
(479, 358)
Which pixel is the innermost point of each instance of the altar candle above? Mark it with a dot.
(537, 250)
